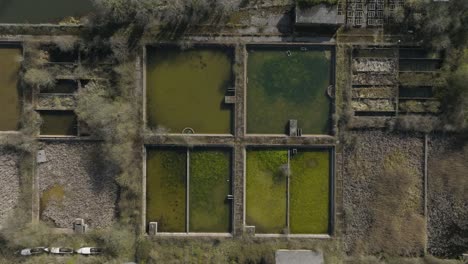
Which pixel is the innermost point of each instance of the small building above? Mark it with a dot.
(319, 15)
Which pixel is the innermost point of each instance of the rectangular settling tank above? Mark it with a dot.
(186, 89)
(266, 190)
(288, 82)
(267, 194)
(209, 184)
(58, 123)
(165, 188)
(10, 58)
(310, 192)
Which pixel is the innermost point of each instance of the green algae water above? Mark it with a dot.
(166, 188)
(310, 192)
(10, 58)
(58, 123)
(209, 186)
(210, 176)
(288, 83)
(266, 190)
(42, 11)
(186, 89)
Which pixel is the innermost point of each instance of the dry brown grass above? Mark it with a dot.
(448, 174)
(448, 197)
(398, 227)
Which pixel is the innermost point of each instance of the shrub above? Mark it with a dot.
(39, 78)
(418, 123)
(65, 43)
(34, 57)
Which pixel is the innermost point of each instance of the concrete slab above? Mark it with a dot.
(298, 257)
(41, 156)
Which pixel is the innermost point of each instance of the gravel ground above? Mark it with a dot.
(9, 183)
(448, 213)
(363, 163)
(83, 186)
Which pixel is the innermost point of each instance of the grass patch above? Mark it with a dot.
(234, 250)
(54, 193)
(209, 187)
(310, 192)
(266, 190)
(165, 188)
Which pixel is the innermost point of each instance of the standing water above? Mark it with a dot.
(288, 83)
(9, 94)
(186, 89)
(42, 11)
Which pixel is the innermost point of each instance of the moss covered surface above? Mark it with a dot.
(166, 188)
(310, 195)
(54, 193)
(288, 83)
(209, 187)
(266, 190)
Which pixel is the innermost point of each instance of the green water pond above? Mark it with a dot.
(288, 83)
(266, 190)
(42, 11)
(10, 62)
(166, 185)
(58, 123)
(210, 183)
(209, 186)
(267, 196)
(186, 89)
(310, 192)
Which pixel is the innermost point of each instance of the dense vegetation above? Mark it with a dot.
(306, 3)
(442, 26)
